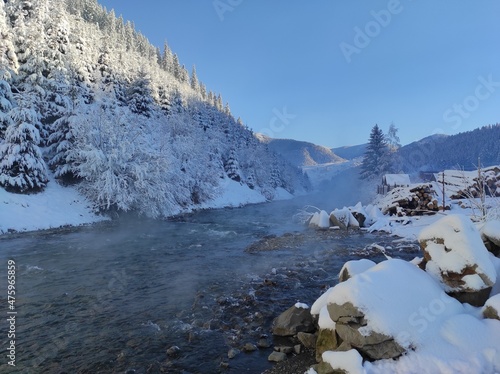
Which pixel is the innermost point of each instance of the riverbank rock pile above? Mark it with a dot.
(396, 309)
(416, 200)
(346, 218)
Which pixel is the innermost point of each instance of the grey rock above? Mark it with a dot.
(297, 349)
(263, 343)
(491, 313)
(293, 321)
(308, 340)
(327, 341)
(249, 347)
(232, 353)
(345, 310)
(277, 357)
(284, 349)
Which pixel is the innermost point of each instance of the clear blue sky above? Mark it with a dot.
(338, 67)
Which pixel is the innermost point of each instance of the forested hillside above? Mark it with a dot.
(441, 152)
(87, 97)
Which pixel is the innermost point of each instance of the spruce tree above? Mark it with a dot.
(22, 168)
(375, 158)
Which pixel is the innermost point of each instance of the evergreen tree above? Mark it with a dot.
(6, 104)
(22, 168)
(232, 167)
(139, 97)
(375, 157)
(195, 84)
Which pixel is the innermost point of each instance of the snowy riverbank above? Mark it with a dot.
(59, 206)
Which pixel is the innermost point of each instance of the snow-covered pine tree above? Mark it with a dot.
(138, 94)
(6, 104)
(8, 58)
(375, 160)
(22, 168)
(195, 84)
(232, 167)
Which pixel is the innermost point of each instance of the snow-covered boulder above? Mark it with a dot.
(320, 220)
(361, 215)
(385, 310)
(455, 256)
(354, 267)
(343, 218)
(492, 308)
(490, 233)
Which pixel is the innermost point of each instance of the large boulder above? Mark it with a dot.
(294, 320)
(382, 312)
(455, 256)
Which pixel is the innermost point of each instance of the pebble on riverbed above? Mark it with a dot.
(277, 356)
(233, 352)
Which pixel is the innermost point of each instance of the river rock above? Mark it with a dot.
(263, 343)
(327, 341)
(354, 267)
(293, 321)
(492, 308)
(173, 351)
(232, 353)
(490, 233)
(249, 347)
(308, 340)
(343, 218)
(277, 357)
(454, 255)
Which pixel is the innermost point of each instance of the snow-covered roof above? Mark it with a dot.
(396, 179)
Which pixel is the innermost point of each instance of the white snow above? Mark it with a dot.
(55, 207)
(324, 321)
(461, 247)
(301, 305)
(350, 361)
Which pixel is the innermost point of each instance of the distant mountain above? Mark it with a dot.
(300, 153)
(351, 151)
(439, 152)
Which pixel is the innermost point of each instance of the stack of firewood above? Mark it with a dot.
(421, 200)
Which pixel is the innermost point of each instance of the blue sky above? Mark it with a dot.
(327, 71)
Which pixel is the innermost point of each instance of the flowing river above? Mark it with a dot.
(114, 298)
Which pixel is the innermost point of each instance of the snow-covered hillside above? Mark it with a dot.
(86, 96)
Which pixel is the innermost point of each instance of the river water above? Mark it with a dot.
(114, 298)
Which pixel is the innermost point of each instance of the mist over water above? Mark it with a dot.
(114, 298)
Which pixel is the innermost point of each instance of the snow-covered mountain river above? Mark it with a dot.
(113, 299)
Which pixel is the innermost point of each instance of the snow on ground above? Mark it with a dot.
(55, 207)
(234, 194)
